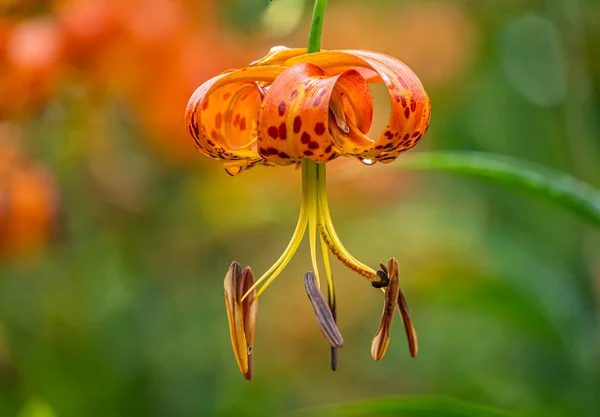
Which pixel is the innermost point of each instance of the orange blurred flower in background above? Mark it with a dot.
(29, 200)
(149, 55)
(32, 63)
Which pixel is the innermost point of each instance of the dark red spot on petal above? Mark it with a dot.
(273, 132)
(281, 108)
(236, 120)
(297, 124)
(403, 100)
(389, 134)
(319, 128)
(294, 94)
(313, 145)
(272, 151)
(218, 120)
(308, 153)
(328, 149)
(282, 131)
(213, 134)
(284, 155)
(407, 113)
(305, 138)
(226, 96)
(243, 124)
(205, 105)
(414, 135)
(413, 104)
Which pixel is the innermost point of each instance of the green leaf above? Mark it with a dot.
(559, 188)
(407, 406)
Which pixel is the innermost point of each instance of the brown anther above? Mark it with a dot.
(249, 309)
(411, 333)
(241, 315)
(393, 297)
(382, 337)
(324, 314)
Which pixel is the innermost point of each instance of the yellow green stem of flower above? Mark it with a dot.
(316, 26)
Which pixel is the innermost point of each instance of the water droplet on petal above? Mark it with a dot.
(234, 168)
(367, 161)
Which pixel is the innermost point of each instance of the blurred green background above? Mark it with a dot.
(111, 302)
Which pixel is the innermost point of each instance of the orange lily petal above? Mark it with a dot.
(294, 117)
(221, 116)
(291, 105)
(410, 105)
(278, 55)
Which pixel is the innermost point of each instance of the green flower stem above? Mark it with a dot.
(316, 26)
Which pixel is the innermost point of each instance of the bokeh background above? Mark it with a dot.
(115, 234)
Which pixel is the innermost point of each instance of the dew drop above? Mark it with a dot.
(367, 161)
(234, 168)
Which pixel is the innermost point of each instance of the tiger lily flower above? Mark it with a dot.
(291, 107)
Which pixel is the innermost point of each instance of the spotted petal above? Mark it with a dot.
(291, 105)
(221, 116)
(410, 106)
(294, 119)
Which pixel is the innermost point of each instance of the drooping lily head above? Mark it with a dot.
(291, 107)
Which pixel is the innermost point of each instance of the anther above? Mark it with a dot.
(324, 315)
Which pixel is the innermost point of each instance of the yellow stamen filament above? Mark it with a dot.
(314, 215)
(330, 236)
(330, 287)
